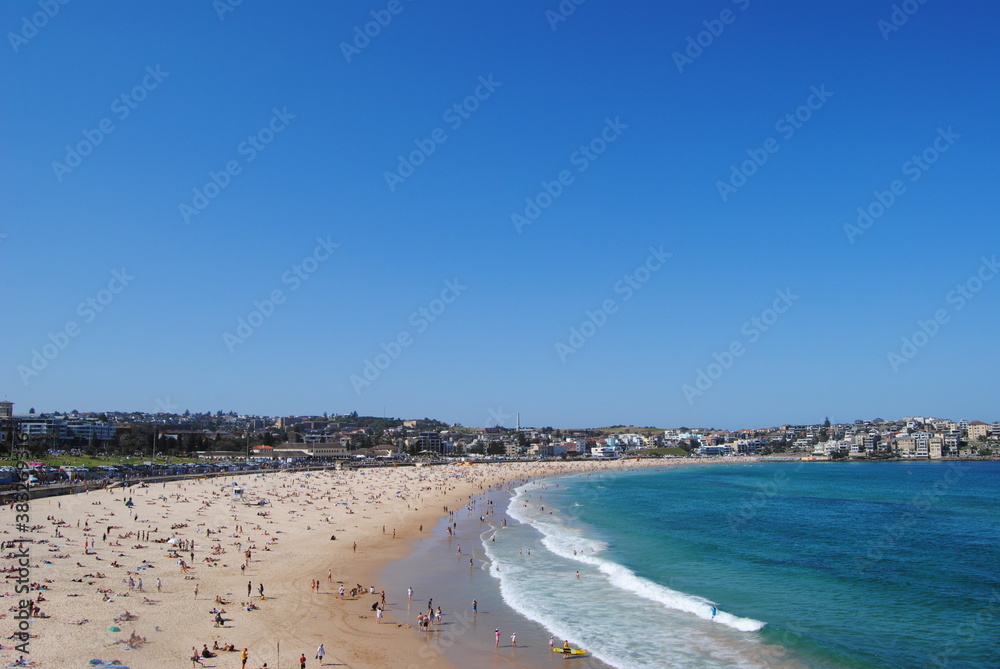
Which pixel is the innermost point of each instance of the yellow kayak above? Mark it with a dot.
(570, 651)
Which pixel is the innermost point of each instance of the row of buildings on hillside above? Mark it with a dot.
(344, 436)
(917, 437)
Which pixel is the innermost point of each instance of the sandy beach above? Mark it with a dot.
(145, 583)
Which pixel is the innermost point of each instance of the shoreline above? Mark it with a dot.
(83, 569)
(465, 638)
(438, 565)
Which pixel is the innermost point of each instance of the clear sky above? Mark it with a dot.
(436, 206)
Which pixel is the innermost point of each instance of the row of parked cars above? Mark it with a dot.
(48, 475)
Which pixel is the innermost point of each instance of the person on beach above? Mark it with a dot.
(302, 661)
(320, 653)
(195, 656)
(409, 593)
(475, 606)
(496, 633)
(249, 587)
(243, 659)
(378, 615)
(513, 639)
(715, 611)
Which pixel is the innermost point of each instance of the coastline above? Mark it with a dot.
(438, 567)
(73, 557)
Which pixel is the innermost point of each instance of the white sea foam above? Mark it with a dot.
(570, 543)
(607, 615)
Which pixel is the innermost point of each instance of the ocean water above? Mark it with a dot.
(825, 565)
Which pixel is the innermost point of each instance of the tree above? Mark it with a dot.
(688, 445)
(496, 448)
(826, 423)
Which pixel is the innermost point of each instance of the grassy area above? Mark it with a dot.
(87, 461)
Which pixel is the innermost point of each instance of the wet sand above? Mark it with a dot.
(466, 638)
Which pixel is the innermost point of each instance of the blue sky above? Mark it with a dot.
(640, 136)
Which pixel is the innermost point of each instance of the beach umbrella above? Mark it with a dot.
(114, 629)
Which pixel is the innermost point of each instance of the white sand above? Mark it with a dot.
(289, 540)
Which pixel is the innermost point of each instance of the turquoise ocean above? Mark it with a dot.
(819, 564)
